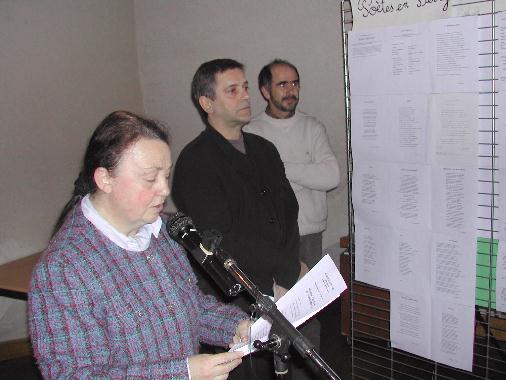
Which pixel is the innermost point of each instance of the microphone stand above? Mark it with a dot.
(283, 333)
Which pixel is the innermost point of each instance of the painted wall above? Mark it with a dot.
(64, 65)
(175, 37)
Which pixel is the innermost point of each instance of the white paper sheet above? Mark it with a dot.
(453, 268)
(407, 60)
(454, 199)
(319, 287)
(410, 322)
(370, 191)
(454, 130)
(409, 188)
(410, 268)
(500, 45)
(367, 50)
(409, 128)
(373, 254)
(454, 55)
(500, 125)
(452, 334)
(370, 132)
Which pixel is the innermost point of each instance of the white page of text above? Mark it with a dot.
(454, 129)
(410, 322)
(454, 54)
(453, 267)
(452, 334)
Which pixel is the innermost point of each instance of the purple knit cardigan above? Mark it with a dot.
(98, 311)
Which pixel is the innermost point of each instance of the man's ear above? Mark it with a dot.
(103, 179)
(206, 104)
(265, 93)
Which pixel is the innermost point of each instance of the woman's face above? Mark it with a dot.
(139, 185)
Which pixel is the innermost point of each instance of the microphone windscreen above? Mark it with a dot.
(179, 223)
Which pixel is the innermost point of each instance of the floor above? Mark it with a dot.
(335, 351)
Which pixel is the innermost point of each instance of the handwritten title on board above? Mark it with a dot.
(378, 13)
(369, 8)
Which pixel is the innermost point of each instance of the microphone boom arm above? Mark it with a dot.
(281, 327)
(231, 280)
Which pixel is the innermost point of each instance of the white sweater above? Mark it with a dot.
(310, 164)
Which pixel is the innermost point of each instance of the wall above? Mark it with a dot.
(175, 37)
(64, 66)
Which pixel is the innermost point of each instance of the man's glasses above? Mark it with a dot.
(288, 84)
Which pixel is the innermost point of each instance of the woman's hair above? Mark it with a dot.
(117, 132)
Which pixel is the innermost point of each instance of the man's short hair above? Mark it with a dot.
(265, 75)
(204, 80)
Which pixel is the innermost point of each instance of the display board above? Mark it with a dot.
(424, 83)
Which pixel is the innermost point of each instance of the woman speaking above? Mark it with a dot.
(113, 296)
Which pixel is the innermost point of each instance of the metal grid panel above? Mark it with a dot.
(372, 355)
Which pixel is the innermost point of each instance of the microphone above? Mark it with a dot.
(211, 259)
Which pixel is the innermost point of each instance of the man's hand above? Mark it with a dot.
(279, 292)
(213, 367)
(303, 270)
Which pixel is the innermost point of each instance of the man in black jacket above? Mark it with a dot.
(235, 183)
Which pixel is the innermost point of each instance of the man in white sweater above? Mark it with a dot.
(302, 142)
(310, 165)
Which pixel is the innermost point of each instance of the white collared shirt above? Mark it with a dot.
(137, 243)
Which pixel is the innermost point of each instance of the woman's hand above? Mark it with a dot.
(213, 367)
(241, 332)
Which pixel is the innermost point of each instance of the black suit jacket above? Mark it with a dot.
(247, 198)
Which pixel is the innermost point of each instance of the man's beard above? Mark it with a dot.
(279, 104)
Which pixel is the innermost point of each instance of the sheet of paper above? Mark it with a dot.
(452, 329)
(366, 52)
(373, 253)
(500, 45)
(319, 287)
(408, 137)
(489, 193)
(453, 267)
(454, 199)
(371, 129)
(410, 322)
(454, 129)
(410, 268)
(487, 61)
(409, 188)
(407, 65)
(370, 191)
(500, 125)
(454, 55)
